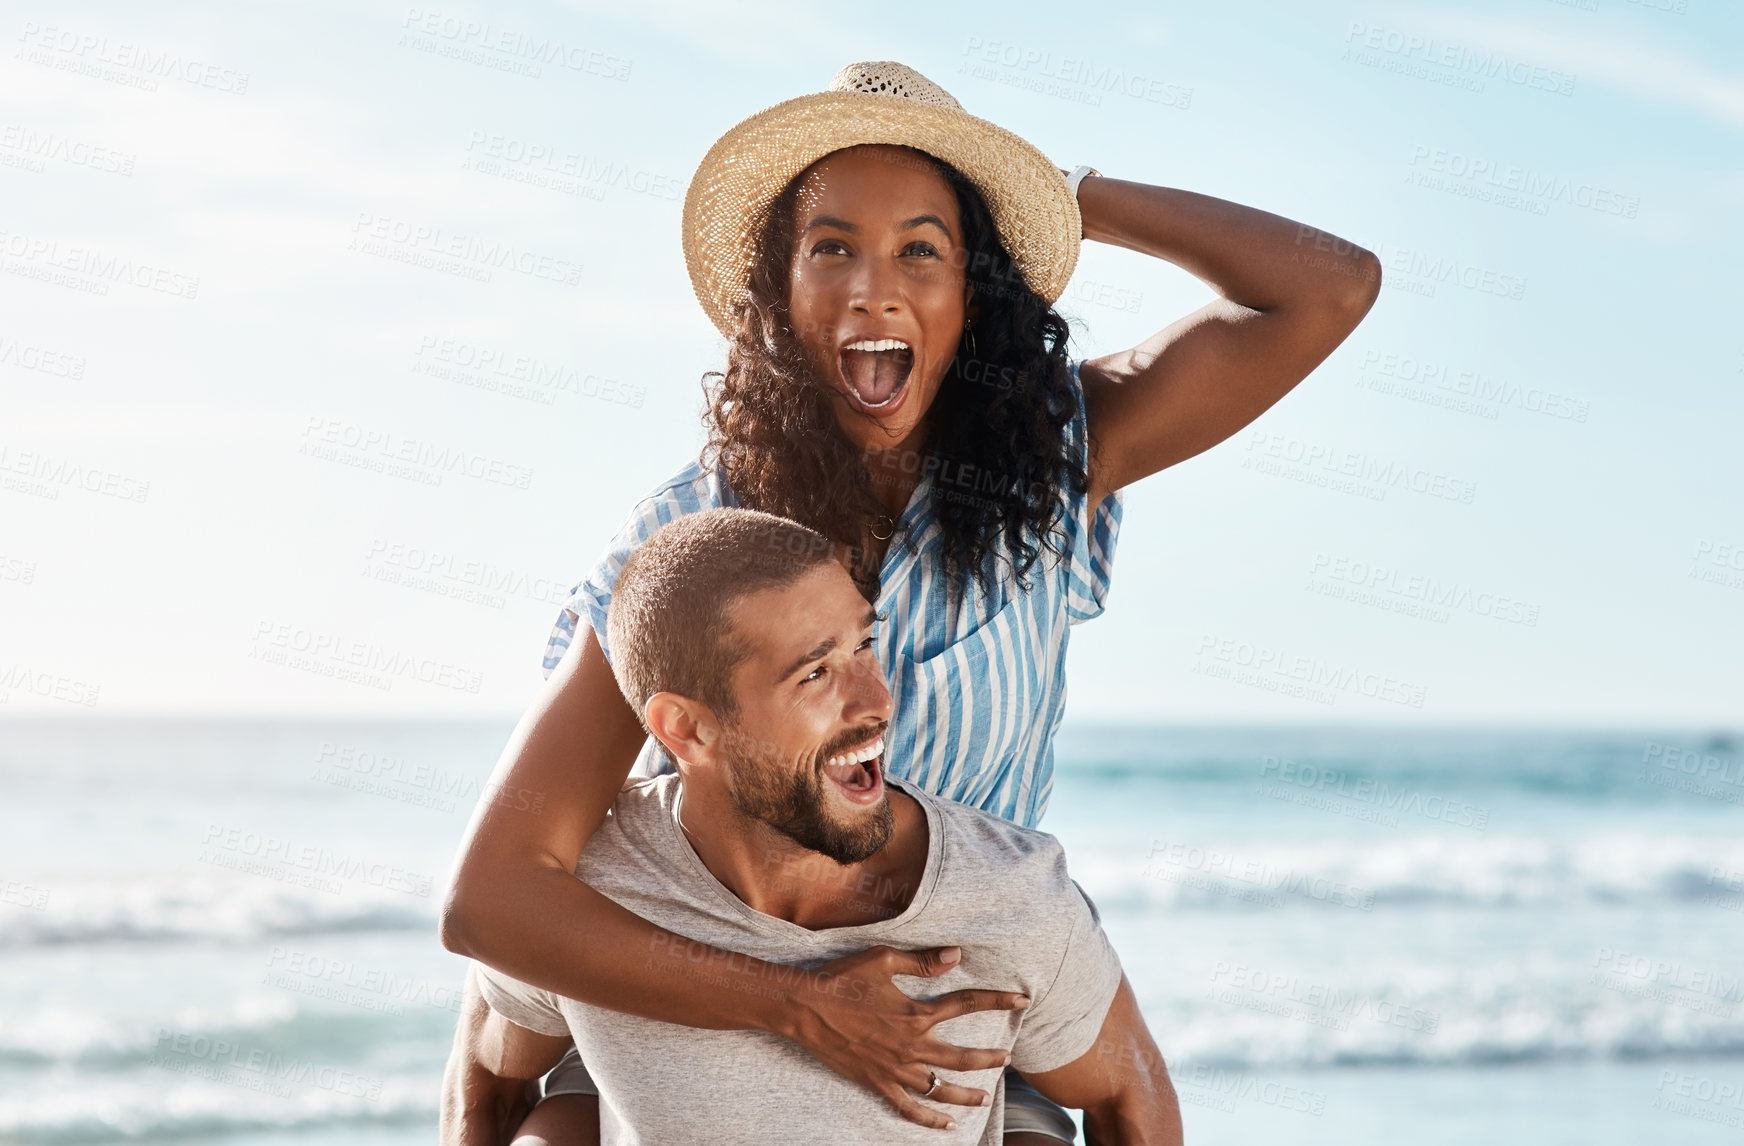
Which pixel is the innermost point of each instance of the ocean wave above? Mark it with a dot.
(1445, 1016)
(1485, 871)
(96, 1040)
(176, 1106)
(1474, 763)
(179, 908)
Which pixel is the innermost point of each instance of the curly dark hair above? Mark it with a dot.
(996, 442)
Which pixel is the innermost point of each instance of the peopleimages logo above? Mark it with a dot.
(508, 49)
(1475, 385)
(1368, 471)
(333, 439)
(1205, 1085)
(518, 375)
(450, 574)
(1258, 873)
(254, 1068)
(1506, 177)
(300, 646)
(96, 268)
(1316, 1001)
(556, 160)
(1423, 589)
(1217, 656)
(49, 685)
(1091, 76)
(95, 55)
(49, 475)
(345, 981)
(1376, 793)
(383, 235)
(41, 359)
(231, 847)
(1458, 64)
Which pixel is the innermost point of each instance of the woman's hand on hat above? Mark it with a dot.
(857, 1022)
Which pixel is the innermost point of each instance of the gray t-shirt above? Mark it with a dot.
(998, 891)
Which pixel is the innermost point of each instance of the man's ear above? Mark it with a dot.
(687, 728)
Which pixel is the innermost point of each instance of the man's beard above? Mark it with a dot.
(764, 788)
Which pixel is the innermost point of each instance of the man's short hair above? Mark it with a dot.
(667, 624)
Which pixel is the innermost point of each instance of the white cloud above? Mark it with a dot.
(1653, 73)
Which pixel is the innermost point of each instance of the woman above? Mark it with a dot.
(884, 267)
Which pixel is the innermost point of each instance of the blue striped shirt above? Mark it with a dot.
(978, 685)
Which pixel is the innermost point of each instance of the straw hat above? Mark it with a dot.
(872, 102)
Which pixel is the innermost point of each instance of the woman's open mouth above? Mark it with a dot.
(875, 373)
(858, 772)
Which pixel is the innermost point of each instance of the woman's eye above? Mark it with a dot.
(925, 248)
(823, 247)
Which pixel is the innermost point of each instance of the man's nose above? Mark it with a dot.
(868, 695)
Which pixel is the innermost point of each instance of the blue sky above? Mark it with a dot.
(243, 291)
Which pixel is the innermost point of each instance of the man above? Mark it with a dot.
(747, 651)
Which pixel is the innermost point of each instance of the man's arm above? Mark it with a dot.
(491, 1080)
(1121, 1083)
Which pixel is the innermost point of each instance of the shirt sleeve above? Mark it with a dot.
(690, 490)
(521, 1003)
(1091, 531)
(1062, 1025)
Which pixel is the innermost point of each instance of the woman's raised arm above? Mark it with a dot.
(515, 904)
(1290, 294)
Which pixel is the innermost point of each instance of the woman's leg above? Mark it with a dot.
(1031, 1118)
(568, 1115)
(564, 1120)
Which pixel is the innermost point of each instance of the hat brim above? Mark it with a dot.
(1027, 195)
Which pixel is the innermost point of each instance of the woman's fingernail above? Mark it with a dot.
(1022, 1003)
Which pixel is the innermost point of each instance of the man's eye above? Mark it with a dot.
(814, 674)
(866, 644)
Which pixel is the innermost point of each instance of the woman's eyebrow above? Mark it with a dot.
(934, 220)
(831, 221)
(854, 228)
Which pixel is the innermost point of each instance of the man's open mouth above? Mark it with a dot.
(859, 771)
(876, 372)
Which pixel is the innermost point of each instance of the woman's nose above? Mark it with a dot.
(874, 288)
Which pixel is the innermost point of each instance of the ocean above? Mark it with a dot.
(1337, 935)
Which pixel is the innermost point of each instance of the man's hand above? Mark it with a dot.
(858, 1023)
(1121, 1083)
(492, 1078)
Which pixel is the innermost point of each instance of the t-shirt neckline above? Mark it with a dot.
(676, 842)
